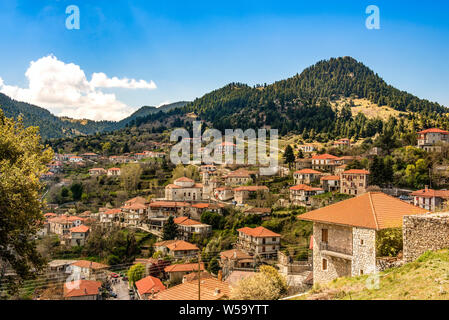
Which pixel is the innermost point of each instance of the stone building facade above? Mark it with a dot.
(422, 233)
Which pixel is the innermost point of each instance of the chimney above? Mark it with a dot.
(235, 254)
(220, 275)
(426, 188)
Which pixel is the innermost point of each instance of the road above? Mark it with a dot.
(121, 289)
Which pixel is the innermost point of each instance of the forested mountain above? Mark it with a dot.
(52, 126)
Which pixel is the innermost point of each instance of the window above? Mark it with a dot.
(361, 272)
(361, 242)
(324, 235)
(324, 264)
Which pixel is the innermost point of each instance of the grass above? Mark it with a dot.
(427, 278)
(369, 109)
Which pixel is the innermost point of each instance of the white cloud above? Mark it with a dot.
(64, 89)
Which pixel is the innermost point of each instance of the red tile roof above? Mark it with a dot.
(356, 171)
(372, 210)
(186, 267)
(259, 232)
(325, 156)
(184, 179)
(148, 285)
(434, 130)
(186, 221)
(305, 188)
(113, 211)
(308, 171)
(81, 288)
(330, 178)
(81, 229)
(430, 193)
(211, 289)
(90, 264)
(252, 188)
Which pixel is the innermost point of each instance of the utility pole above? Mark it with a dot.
(199, 275)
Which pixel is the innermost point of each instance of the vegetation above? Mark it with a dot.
(135, 273)
(170, 229)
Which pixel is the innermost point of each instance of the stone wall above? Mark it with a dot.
(363, 251)
(423, 233)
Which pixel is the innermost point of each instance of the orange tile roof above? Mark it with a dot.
(114, 169)
(81, 288)
(186, 221)
(186, 267)
(258, 232)
(113, 211)
(90, 264)
(211, 289)
(434, 130)
(324, 156)
(181, 245)
(330, 178)
(168, 204)
(148, 284)
(372, 210)
(235, 254)
(81, 228)
(184, 179)
(308, 171)
(430, 193)
(305, 188)
(356, 171)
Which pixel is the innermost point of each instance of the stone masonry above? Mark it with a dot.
(423, 233)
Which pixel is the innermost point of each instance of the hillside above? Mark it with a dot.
(427, 278)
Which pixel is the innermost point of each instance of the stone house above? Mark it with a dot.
(235, 259)
(354, 181)
(306, 176)
(187, 228)
(430, 199)
(110, 216)
(148, 286)
(160, 211)
(301, 195)
(178, 249)
(427, 139)
(114, 172)
(97, 171)
(82, 290)
(305, 163)
(78, 235)
(184, 189)
(242, 194)
(177, 271)
(330, 183)
(325, 162)
(344, 234)
(135, 211)
(239, 177)
(259, 242)
(224, 193)
(90, 270)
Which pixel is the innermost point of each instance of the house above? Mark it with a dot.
(330, 183)
(97, 171)
(325, 162)
(187, 228)
(259, 242)
(342, 143)
(114, 172)
(135, 211)
(225, 148)
(139, 156)
(177, 271)
(239, 177)
(89, 155)
(197, 209)
(184, 189)
(264, 213)
(75, 159)
(82, 290)
(340, 169)
(224, 193)
(210, 289)
(148, 286)
(58, 269)
(241, 194)
(308, 148)
(305, 163)
(306, 176)
(354, 181)
(90, 270)
(427, 139)
(344, 233)
(110, 216)
(208, 168)
(153, 267)
(302, 194)
(78, 235)
(55, 166)
(160, 211)
(178, 249)
(235, 259)
(60, 225)
(430, 199)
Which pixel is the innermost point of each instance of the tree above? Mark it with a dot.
(170, 229)
(77, 191)
(22, 161)
(106, 147)
(135, 273)
(267, 284)
(289, 156)
(130, 177)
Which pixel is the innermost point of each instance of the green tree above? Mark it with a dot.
(130, 177)
(77, 191)
(22, 161)
(170, 229)
(135, 273)
(289, 156)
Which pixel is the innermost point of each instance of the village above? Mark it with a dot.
(327, 191)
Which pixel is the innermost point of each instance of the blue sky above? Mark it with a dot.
(189, 48)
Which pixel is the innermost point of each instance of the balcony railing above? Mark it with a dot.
(324, 246)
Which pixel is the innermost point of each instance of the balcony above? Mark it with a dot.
(336, 251)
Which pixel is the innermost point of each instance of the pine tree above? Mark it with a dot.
(170, 229)
(289, 156)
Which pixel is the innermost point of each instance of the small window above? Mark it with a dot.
(362, 242)
(361, 272)
(324, 264)
(324, 235)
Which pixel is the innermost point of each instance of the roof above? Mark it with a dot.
(81, 228)
(207, 205)
(237, 276)
(235, 254)
(330, 178)
(307, 171)
(356, 171)
(305, 188)
(181, 245)
(148, 284)
(240, 173)
(186, 267)
(113, 211)
(114, 169)
(324, 156)
(184, 179)
(90, 264)
(430, 193)
(211, 289)
(372, 210)
(186, 221)
(258, 210)
(168, 204)
(252, 188)
(258, 232)
(80, 288)
(194, 276)
(433, 130)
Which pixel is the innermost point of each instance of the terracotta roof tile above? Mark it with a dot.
(148, 284)
(308, 171)
(258, 232)
(186, 267)
(90, 264)
(81, 288)
(211, 289)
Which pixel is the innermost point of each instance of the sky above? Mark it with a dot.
(127, 54)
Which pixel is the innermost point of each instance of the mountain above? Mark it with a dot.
(52, 126)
